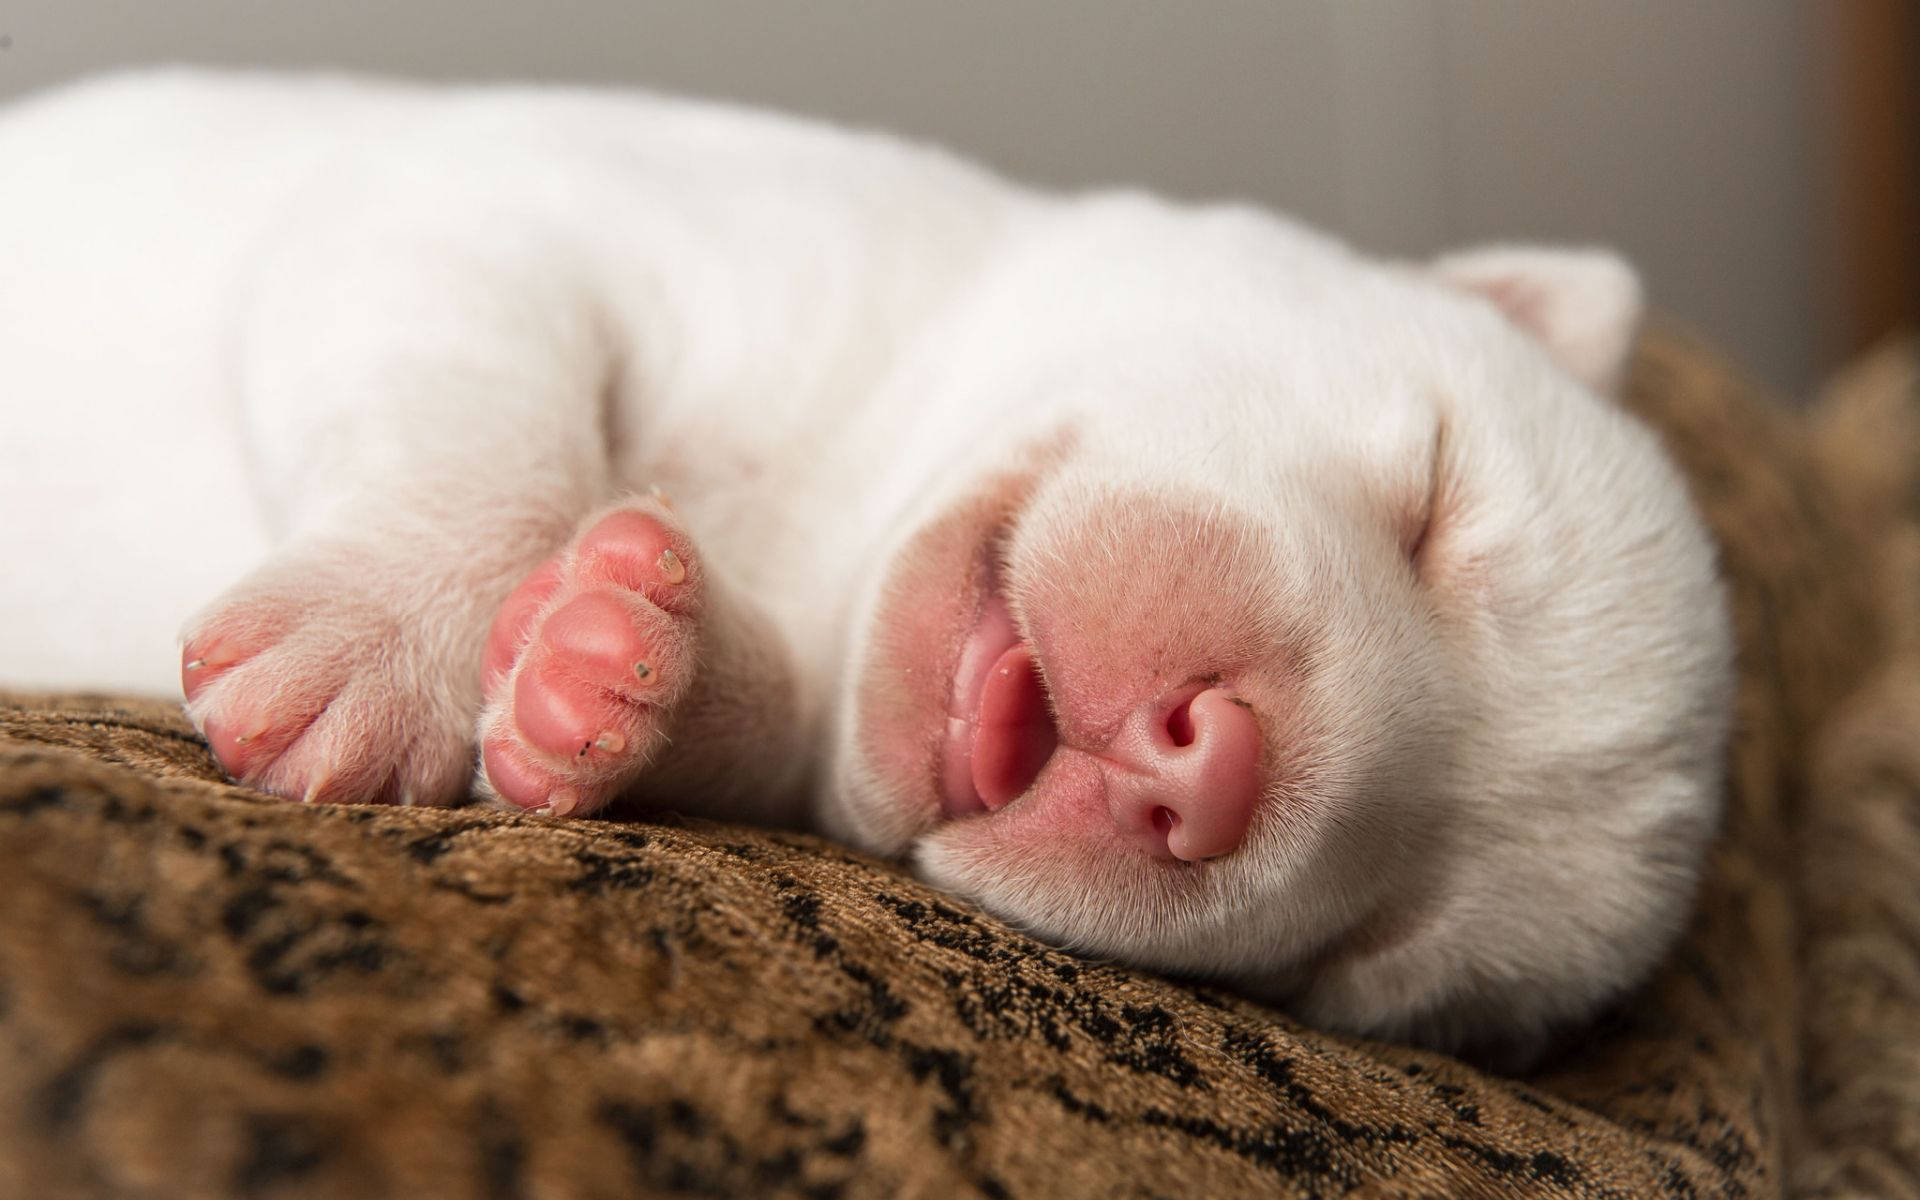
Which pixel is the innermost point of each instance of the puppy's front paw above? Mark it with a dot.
(588, 659)
(311, 683)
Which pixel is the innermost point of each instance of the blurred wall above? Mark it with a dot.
(1678, 132)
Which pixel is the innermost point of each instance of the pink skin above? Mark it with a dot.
(1021, 697)
(586, 660)
(1180, 779)
(245, 740)
(589, 655)
(276, 674)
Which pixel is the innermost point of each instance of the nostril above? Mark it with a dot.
(1190, 780)
(1180, 724)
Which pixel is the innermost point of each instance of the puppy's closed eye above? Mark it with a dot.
(1426, 520)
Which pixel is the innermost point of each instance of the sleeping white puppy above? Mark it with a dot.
(1175, 582)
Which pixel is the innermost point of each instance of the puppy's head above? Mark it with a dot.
(1307, 624)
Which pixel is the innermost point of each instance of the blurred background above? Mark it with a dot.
(1755, 158)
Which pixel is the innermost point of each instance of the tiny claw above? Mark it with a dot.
(643, 672)
(671, 566)
(213, 653)
(562, 801)
(610, 742)
(258, 731)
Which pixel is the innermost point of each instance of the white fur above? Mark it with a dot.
(388, 345)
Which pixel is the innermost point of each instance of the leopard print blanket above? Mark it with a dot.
(205, 992)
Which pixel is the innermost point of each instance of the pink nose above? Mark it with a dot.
(1193, 777)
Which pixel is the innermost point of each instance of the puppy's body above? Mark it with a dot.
(1177, 583)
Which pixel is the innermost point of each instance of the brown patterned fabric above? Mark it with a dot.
(204, 992)
(1860, 843)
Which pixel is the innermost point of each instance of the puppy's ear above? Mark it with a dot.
(1583, 305)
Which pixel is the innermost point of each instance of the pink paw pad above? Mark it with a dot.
(586, 658)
